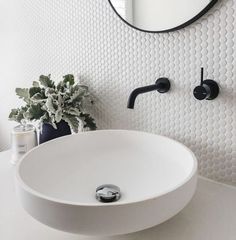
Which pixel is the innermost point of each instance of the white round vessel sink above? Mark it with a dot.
(57, 181)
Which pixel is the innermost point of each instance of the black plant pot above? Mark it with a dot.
(48, 132)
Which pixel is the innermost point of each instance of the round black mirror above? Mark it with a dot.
(160, 15)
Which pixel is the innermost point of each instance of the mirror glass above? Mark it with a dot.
(160, 15)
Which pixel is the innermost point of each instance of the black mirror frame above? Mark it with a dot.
(199, 15)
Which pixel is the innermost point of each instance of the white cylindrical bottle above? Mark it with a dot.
(23, 138)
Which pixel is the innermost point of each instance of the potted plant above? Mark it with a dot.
(59, 108)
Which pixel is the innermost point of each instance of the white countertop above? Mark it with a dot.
(211, 215)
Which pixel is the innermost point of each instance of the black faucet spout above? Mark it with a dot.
(162, 85)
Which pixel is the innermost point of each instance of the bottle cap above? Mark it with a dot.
(23, 128)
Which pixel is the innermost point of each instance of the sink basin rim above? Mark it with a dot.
(99, 204)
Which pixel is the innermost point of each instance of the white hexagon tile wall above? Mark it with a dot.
(85, 37)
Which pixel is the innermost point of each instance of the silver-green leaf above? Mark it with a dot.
(23, 93)
(72, 121)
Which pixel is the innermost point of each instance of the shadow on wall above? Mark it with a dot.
(5, 133)
(1, 140)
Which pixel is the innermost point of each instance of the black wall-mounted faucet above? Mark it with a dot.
(208, 89)
(162, 85)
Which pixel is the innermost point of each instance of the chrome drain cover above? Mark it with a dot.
(108, 193)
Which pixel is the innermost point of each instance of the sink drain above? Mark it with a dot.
(108, 193)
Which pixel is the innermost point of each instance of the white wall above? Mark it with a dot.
(86, 38)
(10, 64)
